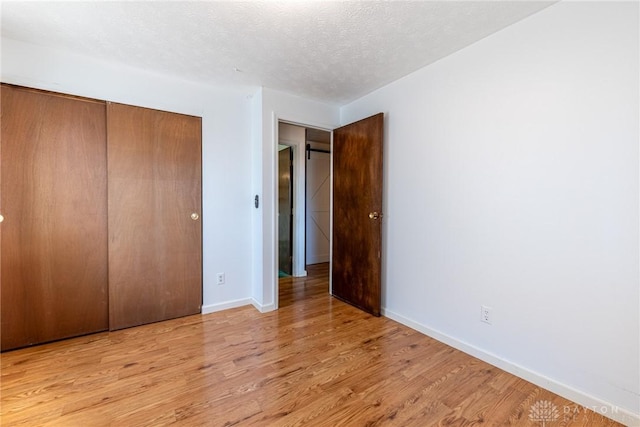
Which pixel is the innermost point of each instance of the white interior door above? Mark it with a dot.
(318, 196)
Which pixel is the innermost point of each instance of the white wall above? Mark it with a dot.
(511, 180)
(276, 106)
(226, 146)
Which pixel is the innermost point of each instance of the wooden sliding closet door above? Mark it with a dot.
(155, 233)
(54, 203)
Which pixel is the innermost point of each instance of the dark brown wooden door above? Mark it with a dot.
(54, 201)
(285, 211)
(357, 213)
(155, 233)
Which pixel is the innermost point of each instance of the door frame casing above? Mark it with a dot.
(299, 173)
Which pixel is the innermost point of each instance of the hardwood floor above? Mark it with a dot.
(316, 361)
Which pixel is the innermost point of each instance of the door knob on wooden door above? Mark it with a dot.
(374, 215)
(195, 216)
(1, 218)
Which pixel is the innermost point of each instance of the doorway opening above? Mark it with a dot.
(317, 197)
(304, 199)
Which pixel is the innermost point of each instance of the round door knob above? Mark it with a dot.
(374, 215)
(1, 218)
(195, 216)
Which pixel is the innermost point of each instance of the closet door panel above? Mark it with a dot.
(155, 246)
(54, 200)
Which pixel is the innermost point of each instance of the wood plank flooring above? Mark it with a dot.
(317, 361)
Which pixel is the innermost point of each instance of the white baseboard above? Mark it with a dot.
(607, 409)
(212, 308)
(318, 259)
(263, 308)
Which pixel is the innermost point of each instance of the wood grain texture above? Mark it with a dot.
(53, 197)
(155, 247)
(285, 210)
(357, 191)
(316, 361)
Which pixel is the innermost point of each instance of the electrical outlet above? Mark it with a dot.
(220, 278)
(485, 314)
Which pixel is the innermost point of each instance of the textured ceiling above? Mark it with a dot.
(331, 51)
